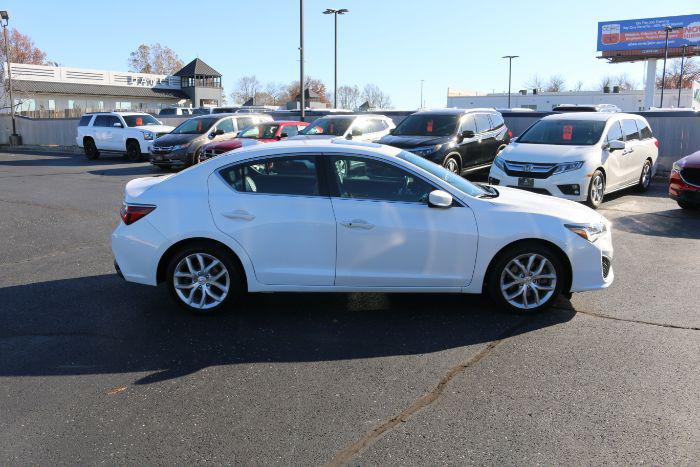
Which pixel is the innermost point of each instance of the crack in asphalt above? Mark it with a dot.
(343, 456)
(629, 320)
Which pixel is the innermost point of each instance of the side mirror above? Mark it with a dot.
(356, 132)
(439, 199)
(283, 135)
(118, 125)
(467, 134)
(391, 132)
(616, 145)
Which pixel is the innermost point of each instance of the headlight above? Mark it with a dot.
(424, 151)
(677, 167)
(567, 167)
(147, 135)
(590, 232)
(498, 162)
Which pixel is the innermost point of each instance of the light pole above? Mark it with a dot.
(5, 20)
(421, 93)
(510, 68)
(335, 12)
(301, 60)
(680, 77)
(668, 28)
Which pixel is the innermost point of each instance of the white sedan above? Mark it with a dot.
(344, 216)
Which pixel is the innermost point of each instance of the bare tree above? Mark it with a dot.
(534, 82)
(349, 97)
(605, 82)
(154, 58)
(624, 82)
(247, 87)
(555, 84)
(691, 73)
(276, 91)
(578, 86)
(376, 97)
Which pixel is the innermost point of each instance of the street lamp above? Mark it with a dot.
(668, 28)
(302, 102)
(510, 67)
(680, 76)
(335, 12)
(421, 93)
(5, 17)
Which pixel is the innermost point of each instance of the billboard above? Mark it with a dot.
(648, 33)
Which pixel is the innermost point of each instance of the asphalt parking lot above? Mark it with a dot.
(97, 370)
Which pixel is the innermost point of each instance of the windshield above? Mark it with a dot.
(195, 126)
(439, 171)
(564, 132)
(260, 131)
(427, 125)
(328, 126)
(140, 120)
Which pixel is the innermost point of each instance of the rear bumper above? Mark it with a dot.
(118, 270)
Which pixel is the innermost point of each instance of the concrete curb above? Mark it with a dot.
(35, 148)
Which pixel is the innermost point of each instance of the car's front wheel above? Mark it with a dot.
(203, 279)
(596, 190)
(452, 164)
(686, 205)
(526, 278)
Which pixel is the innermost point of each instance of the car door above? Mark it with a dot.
(470, 149)
(631, 164)
(225, 125)
(487, 138)
(103, 129)
(388, 236)
(287, 130)
(116, 140)
(274, 207)
(614, 160)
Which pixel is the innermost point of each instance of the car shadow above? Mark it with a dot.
(54, 159)
(673, 223)
(101, 324)
(127, 171)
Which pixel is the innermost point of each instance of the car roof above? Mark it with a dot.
(224, 115)
(453, 111)
(598, 116)
(316, 146)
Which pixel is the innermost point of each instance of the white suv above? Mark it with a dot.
(130, 133)
(579, 156)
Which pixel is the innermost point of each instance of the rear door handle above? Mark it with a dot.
(357, 224)
(239, 214)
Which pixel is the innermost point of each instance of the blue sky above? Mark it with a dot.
(391, 43)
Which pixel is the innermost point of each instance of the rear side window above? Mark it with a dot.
(644, 130)
(496, 120)
(482, 122)
(276, 176)
(629, 128)
(85, 120)
(615, 133)
(167, 112)
(103, 120)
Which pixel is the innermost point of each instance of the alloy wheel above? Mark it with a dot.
(597, 189)
(646, 175)
(528, 281)
(452, 165)
(201, 281)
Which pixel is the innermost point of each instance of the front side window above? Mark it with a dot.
(427, 125)
(364, 178)
(244, 122)
(468, 124)
(264, 131)
(614, 133)
(482, 122)
(276, 175)
(289, 130)
(226, 125)
(564, 132)
(195, 126)
(462, 184)
(629, 127)
(140, 120)
(328, 126)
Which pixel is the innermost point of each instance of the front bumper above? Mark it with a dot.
(679, 190)
(178, 158)
(552, 185)
(592, 263)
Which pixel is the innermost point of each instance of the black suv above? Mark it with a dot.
(460, 140)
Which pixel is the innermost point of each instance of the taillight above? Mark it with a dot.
(657, 142)
(510, 134)
(130, 213)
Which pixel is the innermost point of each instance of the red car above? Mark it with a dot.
(267, 132)
(685, 182)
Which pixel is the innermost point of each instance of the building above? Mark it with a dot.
(54, 91)
(627, 101)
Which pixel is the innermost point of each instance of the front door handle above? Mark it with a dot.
(239, 214)
(357, 224)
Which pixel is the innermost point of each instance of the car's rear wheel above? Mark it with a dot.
(645, 177)
(596, 190)
(90, 149)
(203, 279)
(452, 164)
(686, 205)
(133, 151)
(526, 278)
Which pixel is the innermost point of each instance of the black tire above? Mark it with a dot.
(452, 164)
(195, 157)
(236, 287)
(645, 177)
(133, 151)
(596, 192)
(497, 273)
(686, 205)
(90, 149)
